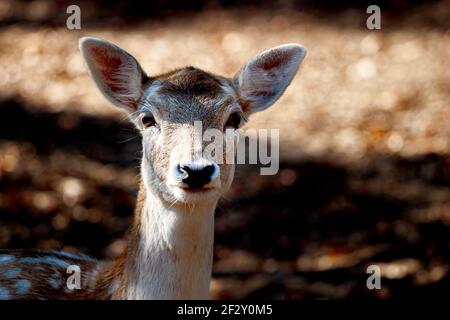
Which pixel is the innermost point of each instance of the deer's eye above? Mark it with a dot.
(148, 121)
(233, 121)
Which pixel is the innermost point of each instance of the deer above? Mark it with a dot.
(169, 253)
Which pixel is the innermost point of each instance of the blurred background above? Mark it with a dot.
(364, 129)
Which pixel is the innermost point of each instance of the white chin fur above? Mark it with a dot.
(187, 197)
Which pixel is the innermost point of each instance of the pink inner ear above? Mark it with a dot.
(274, 60)
(108, 65)
(260, 93)
(104, 58)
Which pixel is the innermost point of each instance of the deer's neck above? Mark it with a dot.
(170, 253)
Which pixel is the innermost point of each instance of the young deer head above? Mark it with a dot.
(165, 107)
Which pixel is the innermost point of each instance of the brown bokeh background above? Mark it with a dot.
(364, 129)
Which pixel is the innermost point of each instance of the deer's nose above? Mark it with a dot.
(196, 177)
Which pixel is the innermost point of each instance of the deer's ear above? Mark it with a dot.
(263, 79)
(117, 74)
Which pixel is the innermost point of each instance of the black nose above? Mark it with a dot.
(196, 177)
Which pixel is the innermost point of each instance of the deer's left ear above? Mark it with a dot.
(117, 74)
(263, 79)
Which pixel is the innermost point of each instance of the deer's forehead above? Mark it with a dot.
(192, 81)
(190, 92)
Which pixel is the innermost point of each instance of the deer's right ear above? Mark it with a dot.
(117, 74)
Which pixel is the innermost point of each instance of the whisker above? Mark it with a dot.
(173, 203)
(128, 139)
